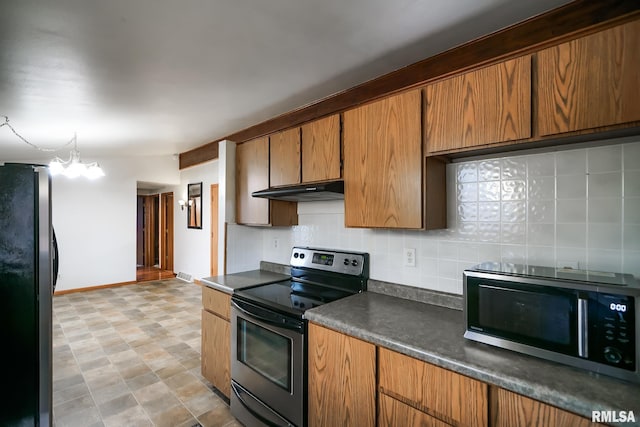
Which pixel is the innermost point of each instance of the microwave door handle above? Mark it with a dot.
(583, 330)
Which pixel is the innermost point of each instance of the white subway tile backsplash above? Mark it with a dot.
(572, 186)
(489, 211)
(541, 188)
(632, 238)
(568, 210)
(605, 184)
(489, 191)
(571, 235)
(489, 170)
(514, 212)
(631, 210)
(541, 165)
(514, 168)
(632, 183)
(513, 233)
(555, 208)
(604, 159)
(605, 236)
(542, 211)
(467, 172)
(514, 190)
(571, 162)
(541, 234)
(631, 156)
(605, 210)
(468, 192)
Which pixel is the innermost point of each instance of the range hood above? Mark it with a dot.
(333, 190)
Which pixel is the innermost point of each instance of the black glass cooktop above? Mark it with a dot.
(290, 296)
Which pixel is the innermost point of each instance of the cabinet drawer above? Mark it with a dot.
(450, 397)
(395, 413)
(216, 302)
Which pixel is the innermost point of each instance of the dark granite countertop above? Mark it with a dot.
(229, 283)
(435, 334)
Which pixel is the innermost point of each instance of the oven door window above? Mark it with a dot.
(266, 352)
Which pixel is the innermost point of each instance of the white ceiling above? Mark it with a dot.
(163, 76)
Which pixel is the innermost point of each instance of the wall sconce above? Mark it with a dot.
(182, 203)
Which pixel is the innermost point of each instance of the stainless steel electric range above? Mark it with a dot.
(269, 334)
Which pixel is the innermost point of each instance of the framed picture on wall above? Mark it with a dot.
(194, 208)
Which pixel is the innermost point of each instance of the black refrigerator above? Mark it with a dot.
(27, 257)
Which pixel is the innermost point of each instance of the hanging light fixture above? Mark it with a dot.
(74, 167)
(71, 168)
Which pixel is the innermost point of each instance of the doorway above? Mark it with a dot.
(154, 257)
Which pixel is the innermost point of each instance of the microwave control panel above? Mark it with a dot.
(615, 336)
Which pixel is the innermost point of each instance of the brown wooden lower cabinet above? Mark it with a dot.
(394, 413)
(343, 391)
(216, 339)
(448, 396)
(510, 409)
(342, 379)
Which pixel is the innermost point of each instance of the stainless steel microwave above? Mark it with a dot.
(581, 318)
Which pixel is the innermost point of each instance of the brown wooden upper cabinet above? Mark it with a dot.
(481, 107)
(321, 156)
(285, 158)
(252, 174)
(383, 163)
(590, 82)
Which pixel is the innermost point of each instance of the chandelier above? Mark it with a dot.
(73, 167)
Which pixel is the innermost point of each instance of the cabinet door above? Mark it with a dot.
(486, 106)
(590, 82)
(216, 351)
(342, 379)
(252, 174)
(284, 167)
(511, 409)
(395, 413)
(216, 302)
(383, 163)
(443, 394)
(321, 149)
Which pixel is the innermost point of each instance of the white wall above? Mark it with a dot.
(95, 221)
(560, 207)
(192, 247)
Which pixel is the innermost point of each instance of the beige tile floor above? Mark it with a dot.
(130, 356)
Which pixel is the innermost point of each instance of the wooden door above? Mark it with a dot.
(342, 379)
(489, 105)
(150, 230)
(252, 174)
(590, 82)
(214, 230)
(166, 231)
(321, 150)
(383, 163)
(284, 151)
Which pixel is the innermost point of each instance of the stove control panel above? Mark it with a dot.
(352, 263)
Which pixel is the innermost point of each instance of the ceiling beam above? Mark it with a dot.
(567, 22)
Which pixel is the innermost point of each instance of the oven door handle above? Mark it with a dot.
(297, 326)
(253, 412)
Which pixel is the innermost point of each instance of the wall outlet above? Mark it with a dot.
(409, 257)
(276, 243)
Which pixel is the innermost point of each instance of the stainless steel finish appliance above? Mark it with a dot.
(27, 260)
(268, 334)
(586, 319)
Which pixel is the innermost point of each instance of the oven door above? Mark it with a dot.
(267, 359)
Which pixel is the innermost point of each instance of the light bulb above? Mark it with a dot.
(75, 169)
(94, 171)
(56, 167)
